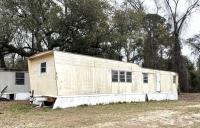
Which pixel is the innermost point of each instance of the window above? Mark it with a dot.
(145, 77)
(174, 79)
(115, 76)
(122, 76)
(19, 78)
(129, 77)
(43, 67)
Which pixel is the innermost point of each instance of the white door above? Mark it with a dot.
(158, 87)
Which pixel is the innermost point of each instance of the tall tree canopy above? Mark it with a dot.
(157, 42)
(97, 28)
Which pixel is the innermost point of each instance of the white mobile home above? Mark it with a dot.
(78, 79)
(14, 85)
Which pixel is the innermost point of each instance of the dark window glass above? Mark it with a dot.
(145, 78)
(114, 76)
(19, 78)
(129, 77)
(174, 79)
(43, 67)
(122, 76)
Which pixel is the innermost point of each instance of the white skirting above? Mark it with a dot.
(73, 101)
(22, 96)
(18, 96)
(6, 96)
(163, 96)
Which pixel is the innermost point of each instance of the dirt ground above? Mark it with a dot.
(173, 114)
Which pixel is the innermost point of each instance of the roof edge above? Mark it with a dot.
(41, 54)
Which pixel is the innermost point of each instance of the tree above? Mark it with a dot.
(194, 44)
(127, 31)
(178, 21)
(84, 26)
(29, 26)
(194, 75)
(157, 40)
(40, 25)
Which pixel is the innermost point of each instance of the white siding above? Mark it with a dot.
(84, 75)
(7, 78)
(78, 79)
(43, 83)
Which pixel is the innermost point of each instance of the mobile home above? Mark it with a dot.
(78, 79)
(14, 85)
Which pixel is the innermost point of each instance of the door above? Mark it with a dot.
(158, 86)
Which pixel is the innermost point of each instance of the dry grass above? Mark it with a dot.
(182, 113)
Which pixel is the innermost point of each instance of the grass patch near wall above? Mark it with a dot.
(20, 108)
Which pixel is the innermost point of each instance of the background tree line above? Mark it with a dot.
(100, 28)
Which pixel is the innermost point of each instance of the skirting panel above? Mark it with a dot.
(22, 96)
(74, 101)
(65, 102)
(18, 96)
(163, 96)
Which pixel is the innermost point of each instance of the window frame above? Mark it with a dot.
(19, 78)
(43, 68)
(174, 79)
(122, 76)
(145, 78)
(113, 74)
(129, 80)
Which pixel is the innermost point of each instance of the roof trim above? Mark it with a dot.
(41, 54)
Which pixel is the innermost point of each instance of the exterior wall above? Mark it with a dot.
(7, 78)
(77, 79)
(84, 75)
(43, 84)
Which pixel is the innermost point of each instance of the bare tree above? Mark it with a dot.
(194, 43)
(157, 6)
(136, 4)
(178, 21)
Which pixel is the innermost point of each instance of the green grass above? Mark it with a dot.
(20, 108)
(26, 108)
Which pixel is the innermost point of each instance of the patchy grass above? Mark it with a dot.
(20, 108)
(182, 113)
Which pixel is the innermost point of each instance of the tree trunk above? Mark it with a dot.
(179, 66)
(2, 62)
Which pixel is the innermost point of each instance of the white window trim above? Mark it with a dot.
(125, 76)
